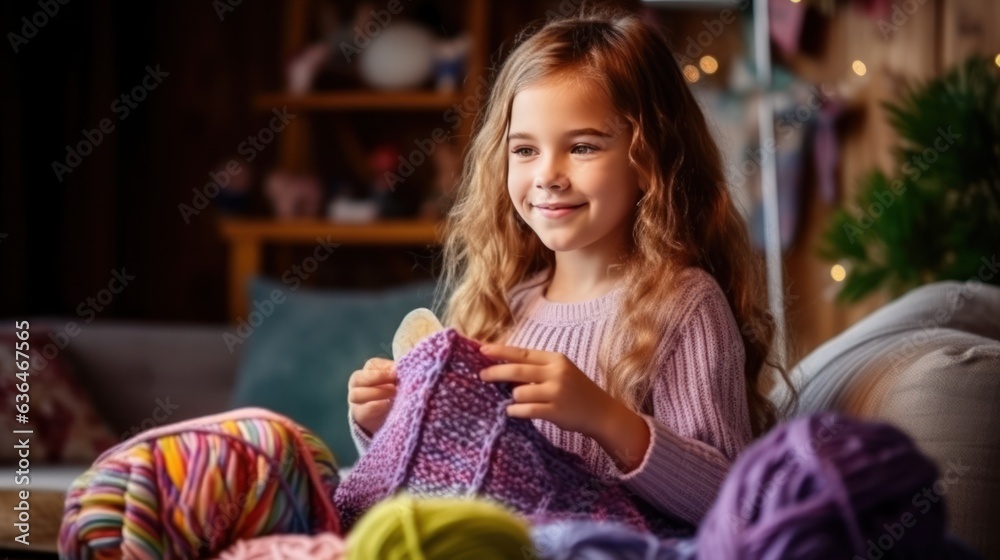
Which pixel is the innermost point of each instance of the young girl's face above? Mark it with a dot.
(568, 147)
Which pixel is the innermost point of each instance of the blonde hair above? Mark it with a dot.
(685, 218)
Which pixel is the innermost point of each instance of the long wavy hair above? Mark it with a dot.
(685, 216)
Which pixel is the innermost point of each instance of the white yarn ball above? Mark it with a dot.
(400, 56)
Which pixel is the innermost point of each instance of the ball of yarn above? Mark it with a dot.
(827, 486)
(324, 546)
(594, 540)
(406, 527)
(191, 489)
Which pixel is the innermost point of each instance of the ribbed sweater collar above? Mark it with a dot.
(542, 310)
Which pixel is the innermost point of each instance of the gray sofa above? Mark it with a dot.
(928, 362)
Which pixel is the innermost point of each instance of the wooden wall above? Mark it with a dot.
(938, 34)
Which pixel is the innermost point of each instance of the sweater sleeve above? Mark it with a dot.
(700, 419)
(362, 441)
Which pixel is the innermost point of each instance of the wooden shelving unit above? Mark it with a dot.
(360, 100)
(383, 232)
(296, 151)
(247, 237)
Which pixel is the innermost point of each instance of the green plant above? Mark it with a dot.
(937, 216)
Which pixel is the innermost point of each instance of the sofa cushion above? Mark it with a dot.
(929, 363)
(947, 397)
(297, 360)
(65, 424)
(143, 375)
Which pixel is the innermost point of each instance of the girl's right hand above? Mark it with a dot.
(370, 392)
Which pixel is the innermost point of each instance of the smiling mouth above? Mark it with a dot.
(557, 212)
(557, 207)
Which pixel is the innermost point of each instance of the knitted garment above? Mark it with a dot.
(697, 416)
(448, 434)
(192, 488)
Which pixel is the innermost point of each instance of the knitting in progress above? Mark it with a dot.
(448, 434)
(191, 489)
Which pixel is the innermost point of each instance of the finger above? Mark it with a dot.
(517, 373)
(377, 407)
(376, 376)
(530, 410)
(362, 395)
(362, 378)
(378, 363)
(533, 393)
(519, 355)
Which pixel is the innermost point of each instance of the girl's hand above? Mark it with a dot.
(553, 389)
(370, 392)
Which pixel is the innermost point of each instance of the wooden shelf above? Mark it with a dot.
(246, 238)
(355, 100)
(382, 232)
(298, 153)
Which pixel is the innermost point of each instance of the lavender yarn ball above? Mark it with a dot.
(594, 540)
(827, 486)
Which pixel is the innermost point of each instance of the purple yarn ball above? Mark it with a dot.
(827, 486)
(593, 540)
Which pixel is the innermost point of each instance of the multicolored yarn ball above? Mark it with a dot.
(448, 434)
(590, 540)
(408, 528)
(193, 488)
(324, 546)
(827, 486)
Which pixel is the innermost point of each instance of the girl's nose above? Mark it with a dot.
(550, 177)
(558, 183)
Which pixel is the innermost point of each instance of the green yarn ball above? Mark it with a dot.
(408, 528)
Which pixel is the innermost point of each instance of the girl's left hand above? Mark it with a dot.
(553, 389)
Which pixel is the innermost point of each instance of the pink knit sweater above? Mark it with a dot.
(699, 421)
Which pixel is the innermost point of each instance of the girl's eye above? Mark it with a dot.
(584, 149)
(523, 152)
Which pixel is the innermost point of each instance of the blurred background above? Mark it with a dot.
(223, 203)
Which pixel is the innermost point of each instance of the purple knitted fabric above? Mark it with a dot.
(448, 434)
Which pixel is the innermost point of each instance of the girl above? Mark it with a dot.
(594, 246)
